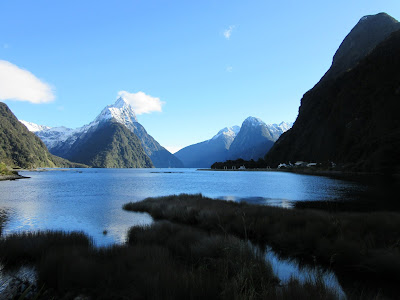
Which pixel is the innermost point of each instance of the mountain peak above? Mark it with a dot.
(228, 132)
(253, 121)
(34, 127)
(362, 39)
(121, 111)
(120, 103)
(380, 17)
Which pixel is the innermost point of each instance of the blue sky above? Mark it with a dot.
(211, 63)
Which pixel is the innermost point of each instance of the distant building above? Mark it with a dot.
(311, 165)
(242, 168)
(300, 163)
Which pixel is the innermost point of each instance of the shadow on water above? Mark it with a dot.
(380, 194)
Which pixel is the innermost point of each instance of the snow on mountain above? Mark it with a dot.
(34, 127)
(121, 111)
(277, 130)
(252, 121)
(229, 132)
(53, 137)
(61, 140)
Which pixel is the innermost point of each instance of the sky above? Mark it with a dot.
(190, 67)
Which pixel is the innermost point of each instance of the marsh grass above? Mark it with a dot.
(28, 247)
(161, 261)
(365, 246)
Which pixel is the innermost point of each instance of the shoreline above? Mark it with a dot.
(12, 177)
(326, 173)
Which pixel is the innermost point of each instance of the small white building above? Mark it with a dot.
(300, 163)
(242, 168)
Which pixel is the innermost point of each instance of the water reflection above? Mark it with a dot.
(285, 269)
(284, 203)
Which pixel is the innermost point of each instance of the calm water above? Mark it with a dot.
(90, 200)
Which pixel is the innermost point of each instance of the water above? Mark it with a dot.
(285, 269)
(91, 200)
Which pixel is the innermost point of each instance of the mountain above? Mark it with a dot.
(64, 141)
(21, 148)
(362, 39)
(204, 154)
(255, 138)
(110, 145)
(352, 119)
(251, 141)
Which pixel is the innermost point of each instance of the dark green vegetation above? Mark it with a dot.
(21, 148)
(111, 145)
(361, 246)
(351, 118)
(4, 170)
(162, 261)
(249, 164)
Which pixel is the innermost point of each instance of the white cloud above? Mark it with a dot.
(228, 32)
(142, 103)
(21, 85)
(229, 68)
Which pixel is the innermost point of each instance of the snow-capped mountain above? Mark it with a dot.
(251, 141)
(255, 138)
(204, 154)
(63, 141)
(121, 111)
(32, 127)
(228, 132)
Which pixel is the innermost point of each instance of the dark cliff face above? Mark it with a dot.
(362, 39)
(352, 119)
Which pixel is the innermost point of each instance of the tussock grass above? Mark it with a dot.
(161, 261)
(365, 246)
(29, 247)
